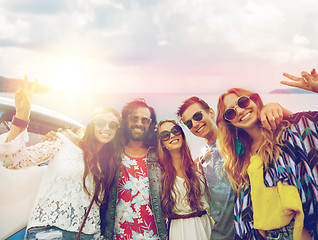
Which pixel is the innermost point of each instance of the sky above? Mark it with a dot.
(165, 46)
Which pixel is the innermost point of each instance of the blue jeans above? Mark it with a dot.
(55, 233)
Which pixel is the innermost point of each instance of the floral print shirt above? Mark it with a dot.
(134, 217)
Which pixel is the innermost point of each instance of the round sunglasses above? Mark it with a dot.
(166, 135)
(101, 123)
(196, 117)
(242, 102)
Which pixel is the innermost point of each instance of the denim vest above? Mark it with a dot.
(108, 210)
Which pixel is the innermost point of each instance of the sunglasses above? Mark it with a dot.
(135, 119)
(101, 123)
(196, 117)
(165, 135)
(242, 102)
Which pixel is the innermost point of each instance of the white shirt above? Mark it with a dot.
(61, 200)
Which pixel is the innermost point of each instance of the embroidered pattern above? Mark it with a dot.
(61, 200)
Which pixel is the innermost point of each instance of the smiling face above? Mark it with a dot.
(246, 118)
(204, 128)
(138, 123)
(174, 142)
(105, 127)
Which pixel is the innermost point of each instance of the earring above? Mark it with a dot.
(239, 148)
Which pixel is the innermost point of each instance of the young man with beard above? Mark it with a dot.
(196, 114)
(133, 210)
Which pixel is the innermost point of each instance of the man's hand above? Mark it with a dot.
(51, 136)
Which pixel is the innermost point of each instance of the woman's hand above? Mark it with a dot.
(23, 98)
(306, 81)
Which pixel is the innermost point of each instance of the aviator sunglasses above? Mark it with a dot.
(144, 120)
(101, 123)
(165, 135)
(231, 113)
(196, 117)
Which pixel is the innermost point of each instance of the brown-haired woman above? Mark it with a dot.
(184, 197)
(79, 171)
(276, 186)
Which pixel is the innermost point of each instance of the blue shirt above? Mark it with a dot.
(222, 195)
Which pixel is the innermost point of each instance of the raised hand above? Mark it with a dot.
(23, 98)
(306, 81)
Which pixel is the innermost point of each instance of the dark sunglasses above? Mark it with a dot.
(144, 120)
(101, 123)
(242, 102)
(165, 135)
(196, 117)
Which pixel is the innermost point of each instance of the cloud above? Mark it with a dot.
(214, 43)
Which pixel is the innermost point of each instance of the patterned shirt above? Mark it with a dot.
(222, 196)
(293, 167)
(134, 217)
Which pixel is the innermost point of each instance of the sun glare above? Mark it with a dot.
(69, 74)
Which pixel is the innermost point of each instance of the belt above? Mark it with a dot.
(173, 216)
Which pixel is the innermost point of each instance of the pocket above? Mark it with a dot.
(49, 234)
(273, 236)
(45, 232)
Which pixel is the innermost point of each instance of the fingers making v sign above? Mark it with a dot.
(306, 81)
(23, 98)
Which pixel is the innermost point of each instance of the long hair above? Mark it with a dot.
(102, 164)
(192, 180)
(236, 167)
(150, 139)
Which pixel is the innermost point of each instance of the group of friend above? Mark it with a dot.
(129, 177)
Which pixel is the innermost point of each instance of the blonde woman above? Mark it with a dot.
(276, 186)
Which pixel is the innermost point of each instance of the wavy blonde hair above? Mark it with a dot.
(270, 149)
(168, 178)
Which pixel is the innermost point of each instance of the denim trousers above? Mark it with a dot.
(284, 233)
(55, 233)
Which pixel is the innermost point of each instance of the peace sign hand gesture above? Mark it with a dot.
(306, 81)
(23, 98)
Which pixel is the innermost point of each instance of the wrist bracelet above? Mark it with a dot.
(19, 122)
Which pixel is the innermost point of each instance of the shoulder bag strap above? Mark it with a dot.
(83, 223)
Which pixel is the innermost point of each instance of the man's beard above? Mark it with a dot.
(136, 136)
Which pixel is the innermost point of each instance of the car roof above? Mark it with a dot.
(42, 120)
